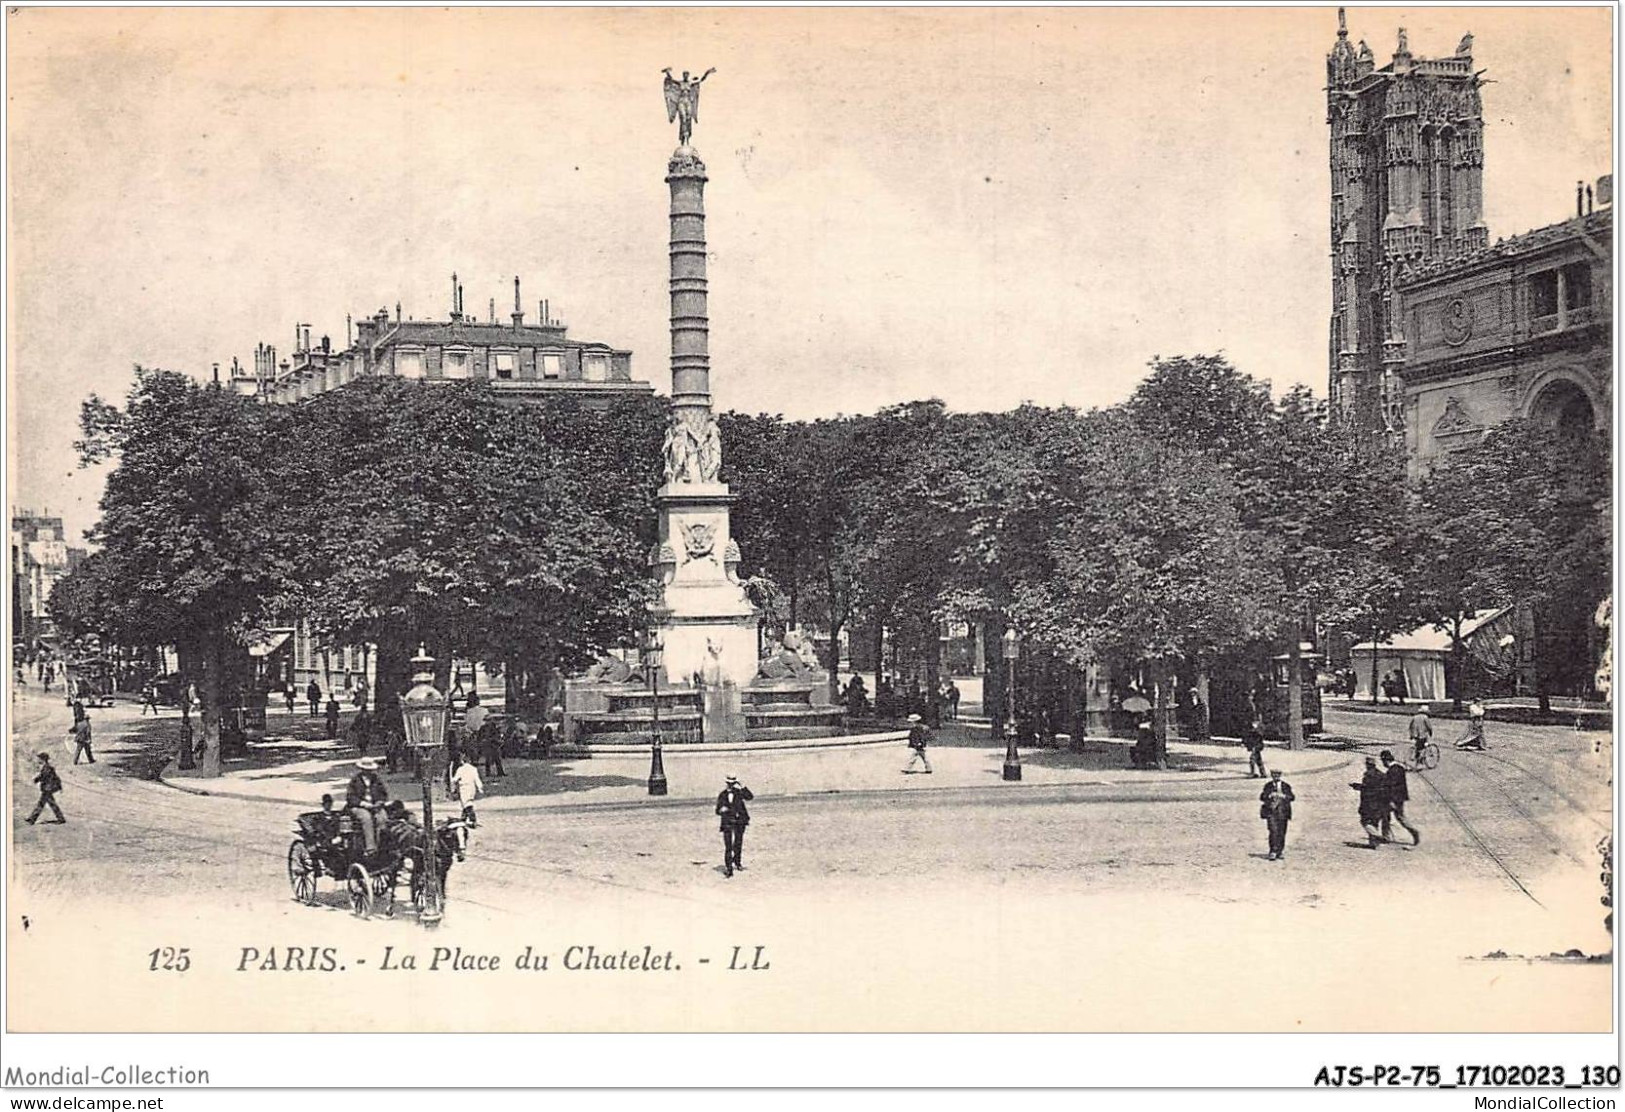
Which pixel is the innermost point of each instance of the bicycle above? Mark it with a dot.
(1426, 757)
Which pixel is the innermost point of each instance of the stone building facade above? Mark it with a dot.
(40, 557)
(1436, 333)
(519, 359)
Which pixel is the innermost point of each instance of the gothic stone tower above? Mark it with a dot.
(1407, 162)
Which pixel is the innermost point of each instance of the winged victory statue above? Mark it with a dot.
(683, 101)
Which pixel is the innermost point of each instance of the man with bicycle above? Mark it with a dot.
(1421, 735)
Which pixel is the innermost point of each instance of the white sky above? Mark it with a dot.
(982, 206)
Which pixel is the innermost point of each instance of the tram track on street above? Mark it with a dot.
(1517, 806)
(1478, 839)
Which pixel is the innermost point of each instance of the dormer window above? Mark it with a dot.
(502, 364)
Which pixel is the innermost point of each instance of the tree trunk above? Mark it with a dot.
(1294, 690)
(834, 662)
(214, 686)
(1161, 681)
(392, 671)
(1543, 684)
(994, 680)
(183, 757)
(1458, 652)
(1374, 635)
(933, 673)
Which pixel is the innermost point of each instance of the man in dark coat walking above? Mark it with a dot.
(1373, 789)
(1275, 808)
(313, 696)
(49, 784)
(1253, 739)
(735, 817)
(1398, 793)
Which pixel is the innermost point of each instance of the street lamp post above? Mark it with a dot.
(424, 712)
(652, 649)
(1012, 759)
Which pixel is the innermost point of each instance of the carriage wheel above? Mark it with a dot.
(360, 884)
(301, 873)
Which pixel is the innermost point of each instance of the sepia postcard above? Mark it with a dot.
(1009, 520)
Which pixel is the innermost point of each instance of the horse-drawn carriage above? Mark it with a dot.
(331, 843)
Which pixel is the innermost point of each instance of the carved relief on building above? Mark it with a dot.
(1457, 321)
(699, 539)
(1456, 420)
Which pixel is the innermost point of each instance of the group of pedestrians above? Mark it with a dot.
(1384, 791)
(46, 775)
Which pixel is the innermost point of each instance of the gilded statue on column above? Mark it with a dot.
(683, 101)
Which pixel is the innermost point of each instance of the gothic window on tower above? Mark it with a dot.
(1443, 194)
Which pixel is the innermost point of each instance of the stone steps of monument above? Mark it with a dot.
(613, 719)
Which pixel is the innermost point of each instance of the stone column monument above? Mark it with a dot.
(706, 622)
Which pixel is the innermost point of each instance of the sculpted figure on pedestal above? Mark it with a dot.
(609, 670)
(683, 101)
(693, 448)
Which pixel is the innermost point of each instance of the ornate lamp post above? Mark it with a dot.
(652, 648)
(424, 714)
(1012, 759)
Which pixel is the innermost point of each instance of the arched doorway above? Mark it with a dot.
(1564, 408)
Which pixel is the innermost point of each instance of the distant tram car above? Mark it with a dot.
(1245, 686)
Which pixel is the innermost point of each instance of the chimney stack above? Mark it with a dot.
(1591, 205)
(518, 313)
(456, 297)
(493, 310)
(1579, 198)
(217, 374)
(348, 341)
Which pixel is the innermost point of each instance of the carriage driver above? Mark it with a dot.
(366, 796)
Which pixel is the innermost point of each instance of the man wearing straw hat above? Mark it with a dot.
(919, 736)
(365, 796)
(735, 817)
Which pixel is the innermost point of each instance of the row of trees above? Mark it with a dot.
(383, 513)
(1201, 516)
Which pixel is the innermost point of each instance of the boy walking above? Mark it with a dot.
(466, 786)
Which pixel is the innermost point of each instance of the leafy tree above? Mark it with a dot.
(1147, 558)
(1307, 494)
(191, 552)
(512, 534)
(1523, 517)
